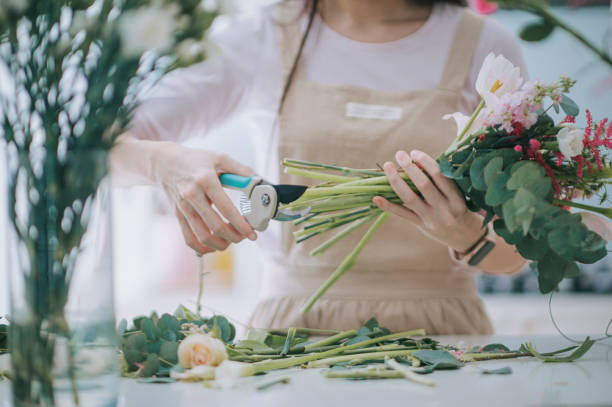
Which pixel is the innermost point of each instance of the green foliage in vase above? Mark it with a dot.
(3, 338)
(73, 72)
(150, 346)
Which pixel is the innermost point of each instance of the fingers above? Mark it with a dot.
(214, 190)
(403, 190)
(212, 219)
(226, 164)
(447, 186)
(190, 239)
(199, 228)
(428, 190)
(398, 210)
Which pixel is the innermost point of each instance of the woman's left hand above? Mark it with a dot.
(442, 213)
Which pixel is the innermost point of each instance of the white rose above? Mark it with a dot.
(570, 141)
(147, 29)
(497, 76)
(201, 349)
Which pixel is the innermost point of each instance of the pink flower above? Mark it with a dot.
(534, 144)
(518, 149)
(483, 6)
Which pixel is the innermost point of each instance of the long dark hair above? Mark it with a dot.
(310, 8)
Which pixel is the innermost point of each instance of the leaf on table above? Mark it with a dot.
(575, 355)
(495, 348)
(501, 370)
(157, 380)
(436, 359)
(252, 345)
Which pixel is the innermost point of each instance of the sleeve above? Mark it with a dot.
(499, 40)
(192, 101)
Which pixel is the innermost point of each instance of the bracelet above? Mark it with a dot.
(476, 254)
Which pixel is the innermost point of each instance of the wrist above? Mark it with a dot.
(471, 232)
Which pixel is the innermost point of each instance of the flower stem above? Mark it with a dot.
(363, 374)
(331, 340)
(347, 263)
(265, 366)
(329, 243)
(607, 212)
(319, 175)
(361, 357)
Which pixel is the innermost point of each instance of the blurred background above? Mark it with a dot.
(154, 269)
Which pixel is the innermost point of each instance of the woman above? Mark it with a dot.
(348, 82)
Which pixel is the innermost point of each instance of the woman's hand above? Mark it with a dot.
(442, 213)
(190, 178)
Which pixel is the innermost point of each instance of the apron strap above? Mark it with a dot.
(289, 31)
(461, 55)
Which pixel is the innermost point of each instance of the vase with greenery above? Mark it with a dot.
(71, 72)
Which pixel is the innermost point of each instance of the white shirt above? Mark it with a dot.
(244, 76)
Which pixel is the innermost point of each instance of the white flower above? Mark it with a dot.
(497, 76)
(201, 349)
(597, 224)
(462, 121)
(228, 372)
(147, 29)
(196, 374)
(570, 141)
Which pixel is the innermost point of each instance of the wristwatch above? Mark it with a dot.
(476, 254)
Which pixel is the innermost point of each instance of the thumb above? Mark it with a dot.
(227, 164)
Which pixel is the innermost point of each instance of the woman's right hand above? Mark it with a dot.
(190, 178)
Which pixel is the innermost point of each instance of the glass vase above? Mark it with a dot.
(62, 337)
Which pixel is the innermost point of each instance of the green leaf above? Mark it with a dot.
(477, 173)
(150, 330)
(151, 365)
(532, 249)
(154, 346)
(571, 271)
(446, 168)
(226, 330)
(569, 106)
(510, 219)
(495, 348)
(275, 341)
(438, 359)
(537, 31)
(157, 380)
(183, 312)
(501, 370)
(531, 177)
(252, 345)
(122, 326)
(492, 169)
(525, 207)
(168, 323)
(501, 230)
(575, 355)
(136, 341)
(169, 352)
(497, 193)
(133, 356)
(551, 269)
(357, 339)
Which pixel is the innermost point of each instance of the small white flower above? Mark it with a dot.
(570, 141)
(597, 224)
(147, 29)
(497, 76)
(462, 121)
(201, 350)
(228, 372)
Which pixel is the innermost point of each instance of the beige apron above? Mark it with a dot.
(403, 278)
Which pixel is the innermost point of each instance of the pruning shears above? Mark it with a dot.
(260, 199)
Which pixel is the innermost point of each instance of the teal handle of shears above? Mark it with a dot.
(235, 181)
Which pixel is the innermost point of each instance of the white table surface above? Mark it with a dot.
(586, 382)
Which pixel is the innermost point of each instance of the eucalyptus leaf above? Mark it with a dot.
(151, 365)
(495, 348)
(169, 352)
(532, 249)
(437, 359)
(569, 106)
(537, 31)
(501, 370)
(477, 173)
(493, 168)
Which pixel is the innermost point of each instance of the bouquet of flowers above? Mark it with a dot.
(513, 163)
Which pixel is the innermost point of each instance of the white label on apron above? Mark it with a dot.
(363, 111)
